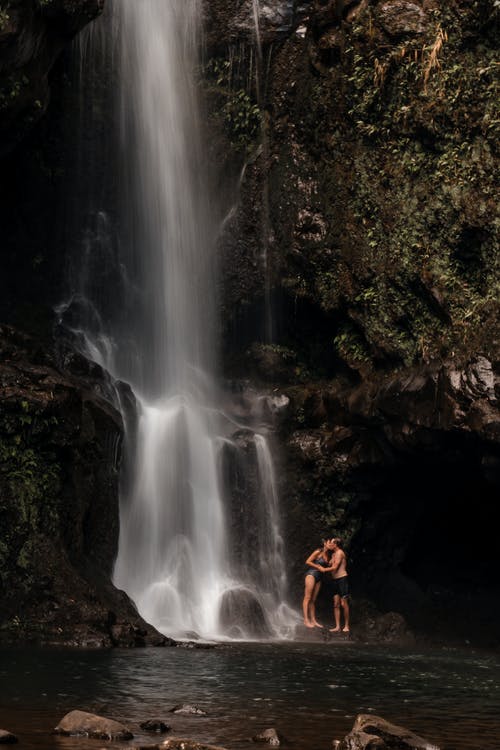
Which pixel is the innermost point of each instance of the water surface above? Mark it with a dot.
(310, 692)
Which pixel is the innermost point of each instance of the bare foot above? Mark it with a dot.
(345, 630)
(308, 624)
(334, 630)
(317, 624)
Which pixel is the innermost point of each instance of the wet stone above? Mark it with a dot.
(7, 738)
(187, 709)
(81, 723)
(155, 725)
(270, 736)
(373, 732)
(241, 614)
(179, 743)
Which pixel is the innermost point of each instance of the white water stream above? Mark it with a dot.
(176, 557)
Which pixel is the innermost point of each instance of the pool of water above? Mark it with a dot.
(309, 692)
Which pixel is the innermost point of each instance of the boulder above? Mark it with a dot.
(370, 732)
(362, 741)
(179, 743)
(7, 738)
(81, 723)
(241, 614)
(400, 17)
(270, 736)
(188, 710)
(390, 627)
(155, 725)
(276, 19)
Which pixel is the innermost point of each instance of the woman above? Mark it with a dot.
(317, 562)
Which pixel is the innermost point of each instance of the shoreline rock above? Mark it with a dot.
(370, 732)
(81, 723)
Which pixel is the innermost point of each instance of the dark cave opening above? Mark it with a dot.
(453, 541)
(428, 544)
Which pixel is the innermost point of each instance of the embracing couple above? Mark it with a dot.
(327, 563)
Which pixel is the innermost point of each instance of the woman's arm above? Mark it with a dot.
(310, 560)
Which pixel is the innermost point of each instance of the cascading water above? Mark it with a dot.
(172, 544)
(175, 558)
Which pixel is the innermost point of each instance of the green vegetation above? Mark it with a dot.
(4, 18)
(10, 89)
(407, 136)
(30, 491)
(233, 101)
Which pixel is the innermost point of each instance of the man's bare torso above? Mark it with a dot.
(339, 559)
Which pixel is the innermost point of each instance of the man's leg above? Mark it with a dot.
(345, 607)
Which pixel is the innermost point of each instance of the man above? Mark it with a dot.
(338, 569)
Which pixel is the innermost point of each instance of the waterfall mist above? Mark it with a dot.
(155, 327)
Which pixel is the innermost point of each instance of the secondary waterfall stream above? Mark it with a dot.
(184, 551)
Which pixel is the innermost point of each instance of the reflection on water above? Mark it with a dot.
(310, 693)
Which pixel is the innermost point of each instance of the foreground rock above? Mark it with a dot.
(373, 732)
(269, 736)
(155, 725)
(81, 723)
(188, 710)
(7, 738)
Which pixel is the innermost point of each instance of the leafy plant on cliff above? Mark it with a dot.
(226, 82)
(29, 497)
(4, 18)
(407, 132)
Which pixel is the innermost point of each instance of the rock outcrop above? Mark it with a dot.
(60, 452)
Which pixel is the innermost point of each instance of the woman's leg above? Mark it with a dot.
(309, 586)
(313, 605)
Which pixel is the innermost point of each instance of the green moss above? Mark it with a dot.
(234, 101)
(4, 18)
(30, 480)
(10, 90)
(406, 135)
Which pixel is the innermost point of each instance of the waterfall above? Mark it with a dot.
(156, 329)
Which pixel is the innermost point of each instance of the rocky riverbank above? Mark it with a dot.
(368, 732)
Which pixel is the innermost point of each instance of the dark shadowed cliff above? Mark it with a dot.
(361, 279)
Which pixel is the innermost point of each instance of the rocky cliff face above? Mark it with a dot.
(60, 440)
(355, 147)
(32, 35)
(60, 447)
(365, 242)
